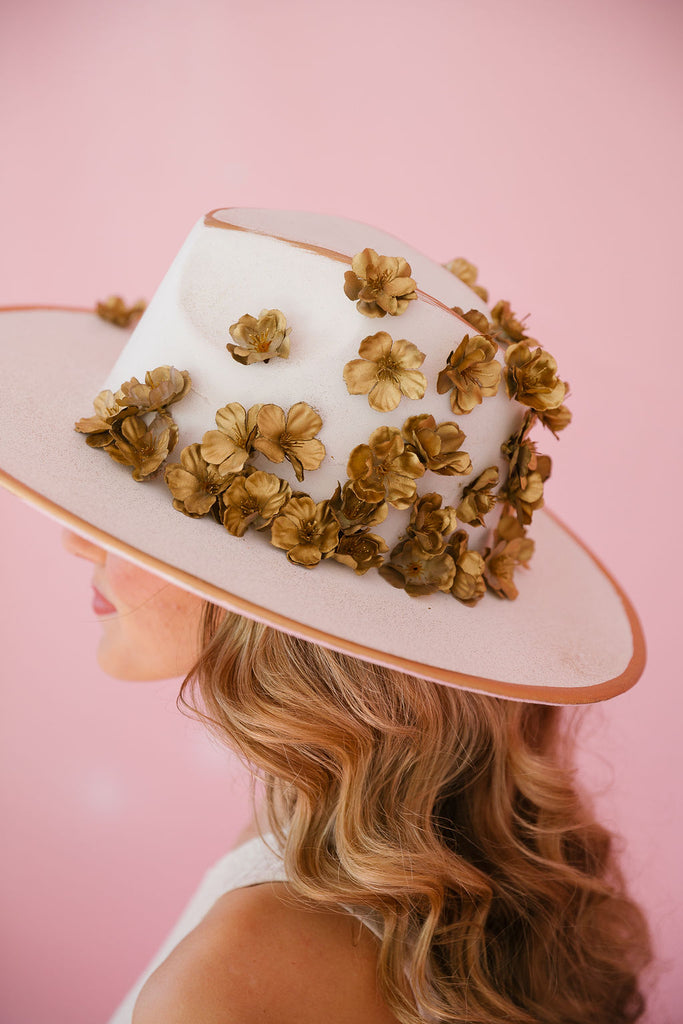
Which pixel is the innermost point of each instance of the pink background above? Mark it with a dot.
(540, 139)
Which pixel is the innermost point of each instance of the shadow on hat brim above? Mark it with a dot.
(571, 637)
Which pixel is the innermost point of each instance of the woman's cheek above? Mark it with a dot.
(130, 586)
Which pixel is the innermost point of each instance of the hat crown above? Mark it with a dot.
(243, 261)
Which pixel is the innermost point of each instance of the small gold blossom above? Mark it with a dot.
(477, 498)
(292, 438)
(555, 419)
(115, 311)
(194, 483)
(411, 569)
(143, 446)
(98, 427)
(163, 387)
(524, 485)
(507, 327)
(258, 339)
(468, 584)
(230, 446)
(430, 524)
(437, 448)
(383, 470)
(353, 513)
(471, 373)
(468, 273)
(532, 377)
(475, 319)
(360, 551)
(510, 548)
(382, 284)
(386, 370)
(518, 447)
(306, 531)
(253, 500)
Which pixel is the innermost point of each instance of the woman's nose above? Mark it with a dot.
(83, 548)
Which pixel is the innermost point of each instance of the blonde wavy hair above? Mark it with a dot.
(452, 815)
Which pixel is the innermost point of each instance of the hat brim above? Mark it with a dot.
(571, 637)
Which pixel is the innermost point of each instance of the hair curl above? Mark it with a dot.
(452, 815)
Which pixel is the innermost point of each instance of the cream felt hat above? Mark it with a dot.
(331, 405)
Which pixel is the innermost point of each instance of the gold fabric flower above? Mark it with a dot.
(555, 419)
(468, 584)
(163, 387)
(382, 284)
(143, 446)
(259, 339)
(507, 327)
(230, 446)
(115, 311)
(511, 548)
(532, 377)
(194, 483)
(383, 470)
(468, 273)
(413, 570)
(477, 498)
(524, 485)
(518, 449)
(292, 438)
(430, 524)
(471, 373)
(253, 500)
(386, 370)
(475, 319)
(98, 427)
(353, 513)
(436, 447)
(361, 551)
(306, 531)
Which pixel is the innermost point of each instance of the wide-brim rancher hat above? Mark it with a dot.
(317, 426)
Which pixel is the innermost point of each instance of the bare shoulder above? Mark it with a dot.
(258, 955)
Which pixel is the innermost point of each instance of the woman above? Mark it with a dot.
(429, 857)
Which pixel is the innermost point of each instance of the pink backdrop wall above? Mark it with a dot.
(540, 139)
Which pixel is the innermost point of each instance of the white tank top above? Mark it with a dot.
(251, 863)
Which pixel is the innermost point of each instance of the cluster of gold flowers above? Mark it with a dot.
(531, 374)
(388, 369)
(216, 477)
(134, 426)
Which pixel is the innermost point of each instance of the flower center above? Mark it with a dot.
(261, 342)
(387, 368)
(307, 532)
(379, 279)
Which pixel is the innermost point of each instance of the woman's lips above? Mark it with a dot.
(100, 604)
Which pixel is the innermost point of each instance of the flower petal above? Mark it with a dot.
(413, 383)
(360, 376)
(303, 422)
(385, 395)
(376, 346)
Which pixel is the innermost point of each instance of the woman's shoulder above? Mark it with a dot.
(260, 955)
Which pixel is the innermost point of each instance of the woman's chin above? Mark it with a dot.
(120, 662)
